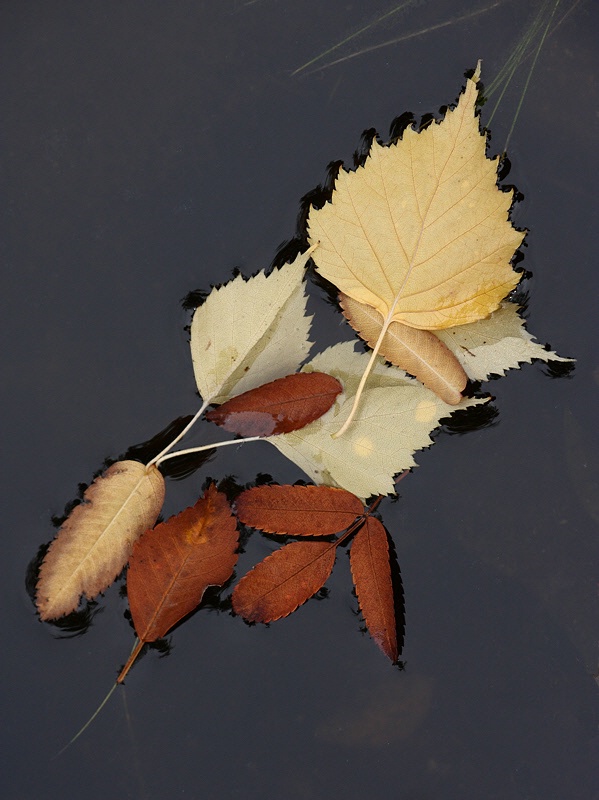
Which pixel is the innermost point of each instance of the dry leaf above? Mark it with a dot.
(371, 571)
(421, 231)
(275, 587)
(250, 332)
(93, 545)
(281, 406)
(488, 347)
(298, 510)
(396, 417)
(172, 566)
(419, 352)
(494, 345)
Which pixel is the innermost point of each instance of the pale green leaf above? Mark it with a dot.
(396, 418)
(250, 332)
(492, 346)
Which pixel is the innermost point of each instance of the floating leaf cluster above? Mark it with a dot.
(419, 244)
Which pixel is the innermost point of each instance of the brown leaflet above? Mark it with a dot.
(173, 564)
(371, 572)
(94, 543)
(298, 510)
(418, 352)
(281, 406)
(275, 587)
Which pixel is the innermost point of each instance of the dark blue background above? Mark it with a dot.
(150, 148)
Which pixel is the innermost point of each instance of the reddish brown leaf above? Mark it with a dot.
(283, 581)
(281, 406)
(173, 564)
(298, 510)
(371, 571)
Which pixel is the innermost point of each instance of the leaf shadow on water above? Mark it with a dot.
(177, 468)
(72, 625)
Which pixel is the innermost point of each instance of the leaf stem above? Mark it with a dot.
(98, 709)
(157, 459)
(212, 446)
(131, 660)
(364, 378)
(89, 721)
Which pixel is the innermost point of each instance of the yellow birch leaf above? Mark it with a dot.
(421, 232)
(95, 542)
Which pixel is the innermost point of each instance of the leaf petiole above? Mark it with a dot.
(205, 447)
(157, 459)
(363, 380)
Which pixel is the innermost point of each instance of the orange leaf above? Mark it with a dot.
(298, 510)
(173, 564)
(371, 571)
(283, 581)
(281, 406)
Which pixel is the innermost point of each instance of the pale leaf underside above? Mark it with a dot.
(487, 347)
(94, 543)
(249, 332)
(494, 345)
(396, 417)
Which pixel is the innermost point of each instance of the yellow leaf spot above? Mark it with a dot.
(426, 411)
(363, 447)
(197, 536)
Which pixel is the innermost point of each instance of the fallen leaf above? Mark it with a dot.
(172, 566)
(281, 406)
(396, 417)
(249, 332)
(275, 587)
(371, 572)
(419, 352)
(421, 232)
(94, 543)
(298, 510)
(494, 345)
(488, 347)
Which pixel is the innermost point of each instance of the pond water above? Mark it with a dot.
(152, 148)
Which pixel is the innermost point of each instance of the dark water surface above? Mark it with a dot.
(150, 148)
